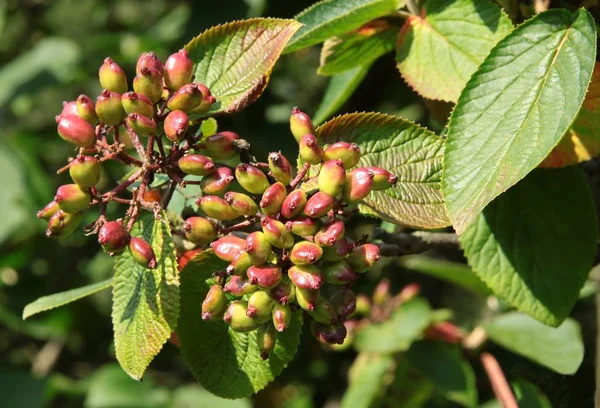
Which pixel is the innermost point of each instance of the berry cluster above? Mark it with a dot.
(284, 241)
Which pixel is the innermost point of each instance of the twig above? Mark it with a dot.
(238, 226)
(500, 386)
(168, 194)
(299, 176)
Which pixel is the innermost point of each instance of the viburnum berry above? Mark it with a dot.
(305, 252)
(280, 168)
(318, 205)
(149, 60)
(217, 182)
(220, 146)
(109, 108)
(258, 247)
(48, 211)
(72, 198)
(241, 203)
(264, 276)
(228, 247)
(178, 70)
(239, 286)
(348, 153)
(175, 125)
(285, 291)
(282, 316)
(207, 100)
(272, 199)
(85, 171)
(196, 164)
(76, 130)
(266, 337)
(332, 177)
(137, 103)
(148, 82)
(240, 264)
(186, 98)
(300, 124)
(214, 304)
(199, 230)
(62, 224)
(293, 204)
(310, 151)
(112, 76)
(339, 273)
(236, 317)
(142, 252)
(251, 178)
(113, 237)
(306, 276)
(307, 298)
(86, 109)
(260, 306)
(141, 124)
(217, 208)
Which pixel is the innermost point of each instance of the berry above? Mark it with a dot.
(186, 98)
(294, 203)
(344, 303)
(113, 237)
(258, 247)
(86, 109)
(337, 252)
(310, 151)
(306, 277)
(137, 103)
(332, 177)
(141, 124)
(251, 178)
(235, 316)
(217, 208)
(318, 205)
(148, 82)
(260, 306)
(330, 233)
(339, 273)
(48, 211)
(329, 334)
(196, 165)
(266, 337)
(324, 312)
(199, 230)
(72, 198)
(382, 179)
(280, 168)
(227, 247)
(240, 264)
(175, 125)
(217, 182)
(300, 124)
(265, 276)
(363, 257)
(307, 298)
(112, 76)
(62, 224)
(221, 146)
(214, 304)
(109, 108)
(69, 108)
(282, 316)
(359, 183)
(76, 130)
(239, 286)
(305, 252)
(149, 60)
(241, 203)
(142, 252)
(178, 70)
(272, 198)
(348, 153)
(85, 171)
(285, 292)
(276, 233)
(303, 226)
(207, 100)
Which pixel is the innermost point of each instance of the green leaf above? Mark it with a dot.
(191, 396)
(453, 272)
(60, 299)
(409, 151)
(145, 301)
(235, 60)
(444, 365)
(357, 48)
(225, 362)
(558, 348)
(405, 325)
(438, 51)
(328, 18)
(534, 245)
(14, 192)
(527, 396)
(367, 380)
(409, 389)
(515, 108)
(339, 89)
(209, 127)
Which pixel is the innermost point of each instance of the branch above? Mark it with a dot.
(500, 386)
(299, 176)
(403, 243)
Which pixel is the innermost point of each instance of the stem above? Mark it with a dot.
(137, 144)
(299, 176)
(168, 194)
(500, 386)
(239, 226)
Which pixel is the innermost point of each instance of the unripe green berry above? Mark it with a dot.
(109, 108)
(276, 233)
(218, 182)
(300, 124)
(86, 109)
(48, 211)
(280, 168)
(303, 226)
(85, 171)
(76, 130)
(239, 286)
(266, 337)
(282, 316)
(363, 257)
(227, 247)
(324, 312)
(179, 69)
(318, 205)
(186, 98)
(137, 103)
(348, 153)
(337, 252)
(359, 183)
(310, 151)
(142, 252)
(306, 277)
(344, 303)
(235, 317)
(272, 198)
(265, 276)
(284, 292)
(329, 334)
(217, 208)
(149, 60)
(221, 145)
(62, 224)
(260, 306)
(214, 304)
(305, 252)
(332, 177)
(258, 247)
(112, 76)
(307, 298)
(240, 264)
(251, 178)
(241, 203)
(382, 178)
(196, 165)
(71, 198)
(175, 125)
(294, 203)
(207, 100)
(330, 233)
(339, 273)
(113, 237)
(141, 124)
(199, 230)
(148, 82)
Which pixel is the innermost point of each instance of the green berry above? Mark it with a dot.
(363, 257)
(258, 247)
(344, 303)
(359, 183)
(214, 304)
(382, 179)
(239, 286)
(272, 198)
(310, 151)
(240, 264)
(137, 103)
(324, 312)
(141, 124)
(337, 252)
(284, 292)
(217, 182)
(264, 276)
(48, 211)
(235, 317)
(217, 208)
(241, 203)
(339, 273)
(305, 252)
(221, 145)
(72, 198)
(300, 124)
(280, 168)
(196, 165)
(109, 108)
(142, 252)
(86, 109)
(62, 224)
(276, 233)
(251, 178)
(112, 76)
(199, 230)
(282, 316)
(207, 100)
(186, 98)
(85, 171)
(303, 226)
(266, 337)
(348, 153)
(307, 298)
(332, 177)
(260, 306)
(76, 130)
(148, 82)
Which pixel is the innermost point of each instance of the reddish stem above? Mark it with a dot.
(500, 386)
(299, 176)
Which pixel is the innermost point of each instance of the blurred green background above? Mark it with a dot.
(50, 52)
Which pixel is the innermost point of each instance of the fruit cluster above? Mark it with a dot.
(282, 234)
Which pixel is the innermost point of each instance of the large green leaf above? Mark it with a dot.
(225, 362)
(411, 152)
(534, 245)
(439, 50)
(357, 48)
(328, 18)
(145, 301)
(339, 89)
(558, 348)
(59, 299)
(451, 374)
(367, 380)
(515, 109)
(405, 325)
(235, 60)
